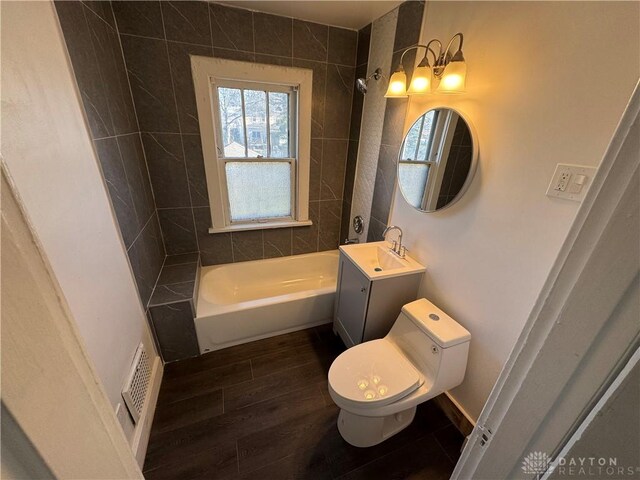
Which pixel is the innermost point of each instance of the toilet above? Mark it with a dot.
(378, 384)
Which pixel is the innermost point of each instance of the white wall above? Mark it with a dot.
(547, 83)
(56, 420)
(49, 155)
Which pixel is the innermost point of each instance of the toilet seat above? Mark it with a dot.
(372, 374)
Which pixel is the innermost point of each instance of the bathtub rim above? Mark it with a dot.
(216, 309)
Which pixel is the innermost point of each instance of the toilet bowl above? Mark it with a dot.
(378, 384)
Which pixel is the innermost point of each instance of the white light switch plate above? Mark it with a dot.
(570, 181)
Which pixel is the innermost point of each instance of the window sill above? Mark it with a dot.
(260, 226)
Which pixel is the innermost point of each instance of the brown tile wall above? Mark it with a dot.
(131, 62)
(157, 39)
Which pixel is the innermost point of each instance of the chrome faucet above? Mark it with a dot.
(397, 248)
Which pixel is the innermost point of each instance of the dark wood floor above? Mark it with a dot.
(262, 411)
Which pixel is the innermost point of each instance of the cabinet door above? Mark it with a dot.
(386, 300)
(353, 297)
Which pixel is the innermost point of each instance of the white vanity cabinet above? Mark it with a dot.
(371, 291)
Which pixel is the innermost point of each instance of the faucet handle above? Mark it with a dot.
(395, 246)
(403, 251)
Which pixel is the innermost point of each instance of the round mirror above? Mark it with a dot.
(437, 160)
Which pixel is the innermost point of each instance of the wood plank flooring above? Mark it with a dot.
(262, 411)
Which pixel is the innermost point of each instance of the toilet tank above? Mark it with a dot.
(436, 344)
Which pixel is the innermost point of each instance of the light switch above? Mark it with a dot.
(570, 181)
(577, 184)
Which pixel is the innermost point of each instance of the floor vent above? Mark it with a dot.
(137, 384)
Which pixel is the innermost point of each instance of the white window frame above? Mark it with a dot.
(436, 155)
(223, 159)
(210, 73)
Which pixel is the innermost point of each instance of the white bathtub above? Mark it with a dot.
(242, 302)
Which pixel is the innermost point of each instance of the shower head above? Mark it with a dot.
(362, 83)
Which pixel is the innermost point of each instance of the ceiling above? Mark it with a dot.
(352, 14)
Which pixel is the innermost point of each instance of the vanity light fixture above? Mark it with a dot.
(448, 70)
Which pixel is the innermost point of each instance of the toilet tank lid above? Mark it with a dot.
(443, 329)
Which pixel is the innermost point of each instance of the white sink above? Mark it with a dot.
(376, 260)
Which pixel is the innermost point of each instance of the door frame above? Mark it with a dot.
(45, 367)
(562, 363)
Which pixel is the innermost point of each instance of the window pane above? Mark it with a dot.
(255, 107)
(411, 141)
(279, 124)
(426, 134)
(232, 123)
(259, 189)
(413, 178)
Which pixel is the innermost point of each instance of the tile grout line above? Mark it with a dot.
(325, 61)
(97, 14)
(155, 285)
(253, 33)
(344, 172)
(258, 402)
(238, 456)
(281, 370)
(209, 14)
(324, 398)
(324, 117)
(442, 447)
(387, 454)
(265, 377)
(184, 159)
(139, 132)
(95, 56)
(147, 163)
(135, 114)
(140, 232)
(126, 178)
(146, 37)
(210, 31)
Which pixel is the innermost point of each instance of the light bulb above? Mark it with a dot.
(454, 77)
(397, 85)
(420, 81)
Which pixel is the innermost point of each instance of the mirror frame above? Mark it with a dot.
(472, 168)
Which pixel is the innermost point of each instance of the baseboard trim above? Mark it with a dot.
(454, 412)
(142, 431)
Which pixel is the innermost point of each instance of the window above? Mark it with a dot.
(255, 129)
(415, 159)
(424, 156)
